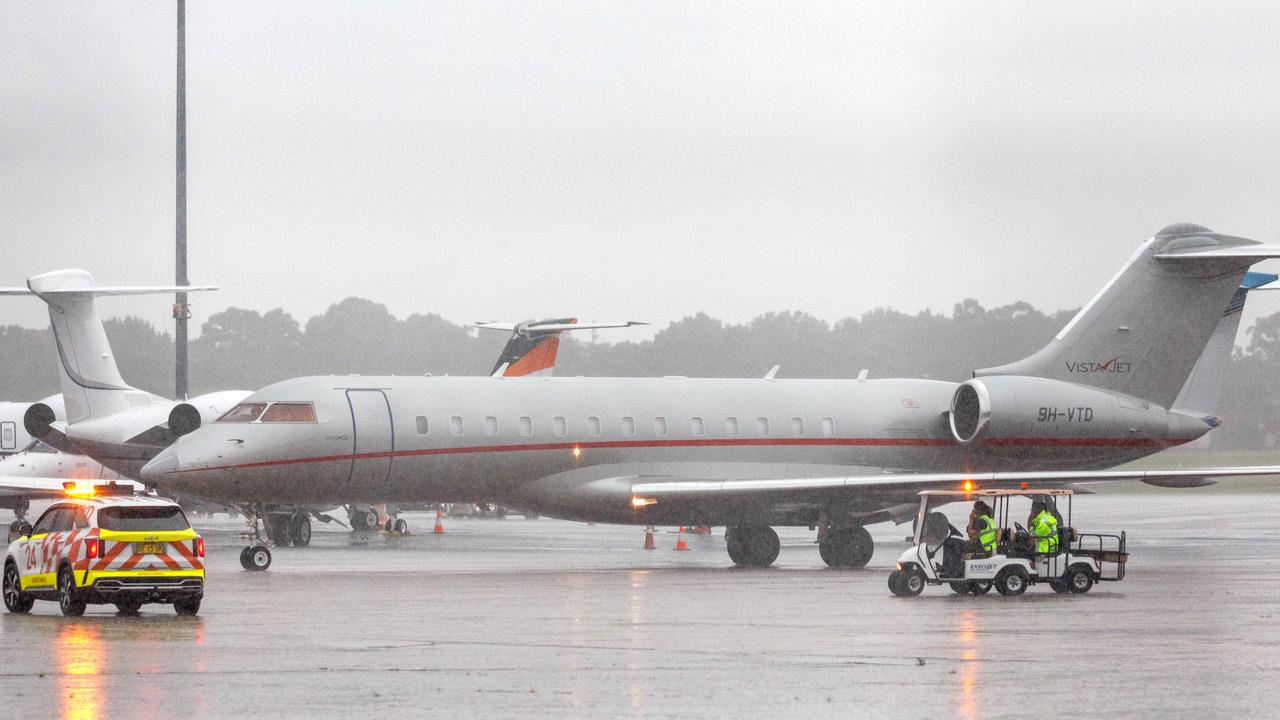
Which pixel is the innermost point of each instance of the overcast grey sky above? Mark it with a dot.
(631, 160)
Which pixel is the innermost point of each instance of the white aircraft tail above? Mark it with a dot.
(534, 345)
(91, 382)
(1148, 328)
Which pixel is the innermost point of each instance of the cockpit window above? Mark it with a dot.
(243, 413)
(290, 412)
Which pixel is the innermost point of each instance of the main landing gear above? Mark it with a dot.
(753, 546)
(289, 527)
(846, 547)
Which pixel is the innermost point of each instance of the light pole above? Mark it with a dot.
(180, 310)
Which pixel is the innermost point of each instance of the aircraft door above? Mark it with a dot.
(373, 439)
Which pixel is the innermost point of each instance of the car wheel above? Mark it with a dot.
(70, 600)
(402, 527)
(15, 600)
(1079, 579)
(1011, 581)
(979, 587)
(912, 582)
(189, 606)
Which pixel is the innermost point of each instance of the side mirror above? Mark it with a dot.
(24, 530)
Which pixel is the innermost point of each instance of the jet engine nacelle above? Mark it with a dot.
(37, 420)
(187, 417)
(1005, 409)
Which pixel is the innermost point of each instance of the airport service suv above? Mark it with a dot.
(107, 547)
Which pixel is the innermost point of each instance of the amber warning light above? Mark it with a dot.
(639, 502)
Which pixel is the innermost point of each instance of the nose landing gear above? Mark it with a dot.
(256, 557)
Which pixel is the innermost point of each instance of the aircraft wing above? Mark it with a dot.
(653, 489)
(32, 487)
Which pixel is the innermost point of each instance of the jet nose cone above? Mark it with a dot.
(162, 466)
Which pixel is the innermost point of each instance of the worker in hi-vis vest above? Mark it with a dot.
(1044, 528)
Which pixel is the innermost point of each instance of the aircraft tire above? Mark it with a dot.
(256, 558)
(278, 529)
(402, 527)
(894, 578)
(847, 547)
(979, 587)
(752, 546)
(128, 607)
(1059, 586)
(300, 529)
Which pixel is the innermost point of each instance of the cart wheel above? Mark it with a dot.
(1011, 581)
(894, 577)
(1059, 586)
(911, 583)
(1079, 579)
(979, 587)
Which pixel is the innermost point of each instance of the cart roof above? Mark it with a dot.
(1057, 492)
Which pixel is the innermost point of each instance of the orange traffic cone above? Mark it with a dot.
(439, 528)
(701, 530)
(680, 541)
(648, 539)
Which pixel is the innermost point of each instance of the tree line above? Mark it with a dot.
(246, 349)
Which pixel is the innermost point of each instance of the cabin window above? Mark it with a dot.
(797, 427)
(490, 425)
(697, 427)
(731, 426)
(456, 426)
(593, 425)
(828, 427)
(424, 428)
(559, 426)
(289, 412)
(762, 426)
(526, 425)
(628, 426)
(9, 430)
(660, 426)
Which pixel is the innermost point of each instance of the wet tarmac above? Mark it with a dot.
(520, 618)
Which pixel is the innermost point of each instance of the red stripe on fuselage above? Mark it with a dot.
(722, 442)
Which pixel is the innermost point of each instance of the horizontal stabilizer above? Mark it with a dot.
(523, 328)
(1243, 252)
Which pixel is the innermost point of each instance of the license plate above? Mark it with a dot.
(148, 548)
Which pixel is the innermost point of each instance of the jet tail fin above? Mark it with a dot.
(1144, 332)
(91, 382)
(534, 345)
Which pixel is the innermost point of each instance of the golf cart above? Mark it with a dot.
(939, 554)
